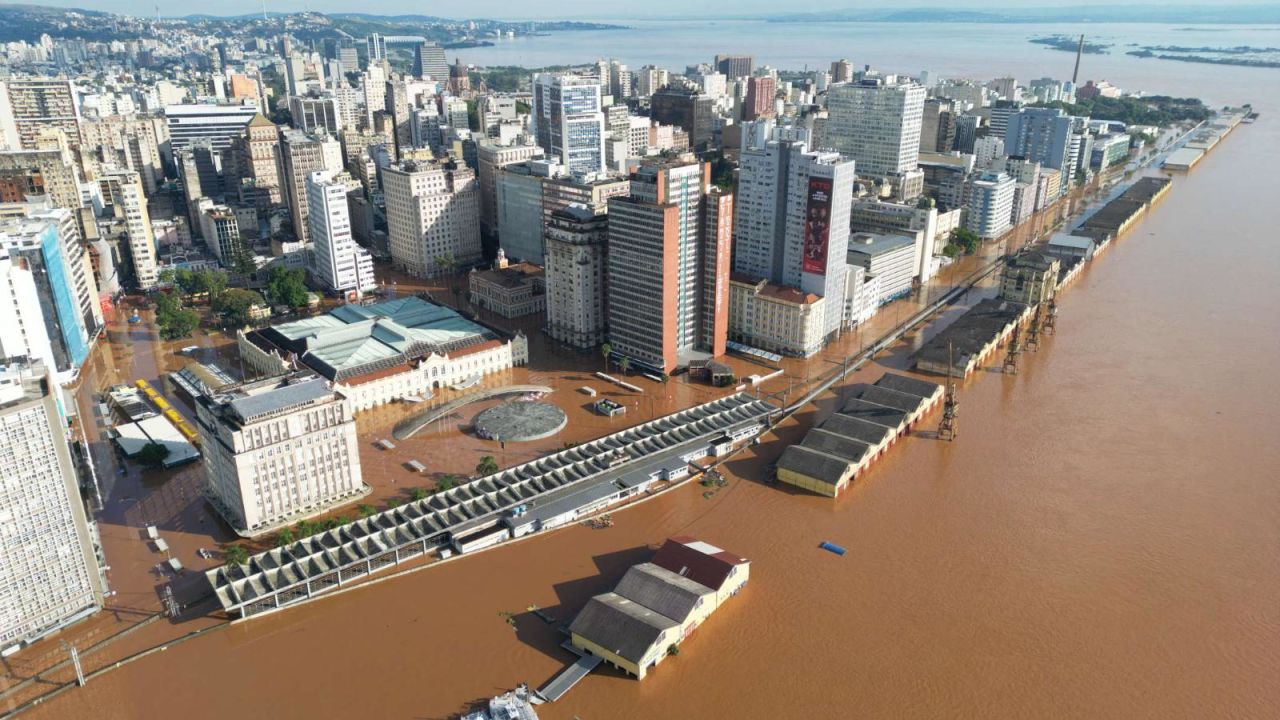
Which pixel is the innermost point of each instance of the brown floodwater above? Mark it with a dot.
(1101, 541)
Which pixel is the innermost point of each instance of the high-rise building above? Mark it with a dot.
(518, 211)
(124, 142)
(575, 274)
(433, 209)
(49, 568)
(429, 61)
(38, 104)
(990, 205)
(760, 95)
(302, 154)
(569, 122)
(938, 126)
(221, 232)
(38, 172)
(137, 223)
(219, 124)
(279, 450)
(734, 66)
(341, 264)
(258, 163)
(667, 260)
(688, 109)
(877, 124)
(786, 230)
(314, 113)
(841, 71)
(490, 160)
(1040, 135)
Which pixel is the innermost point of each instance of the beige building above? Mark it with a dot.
(509, 290)
(302, 154)
(279, 450)
(775, 318)
(258, 162)
(657, 605)
(132, 205)
(432, 210)
(490, 158)
(1030, 278)
(575, 250)
(39, 104)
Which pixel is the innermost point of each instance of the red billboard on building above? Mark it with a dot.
(817, 226)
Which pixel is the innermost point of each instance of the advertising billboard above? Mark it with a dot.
(817, 226)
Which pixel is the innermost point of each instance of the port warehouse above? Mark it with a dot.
(1197, 147)
(534, 496)
(832, 455)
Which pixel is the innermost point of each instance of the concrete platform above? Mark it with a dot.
(520, 421)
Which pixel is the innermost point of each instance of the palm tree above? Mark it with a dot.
(235, 555)
(418, 494)
(606, 349)
(487, 466)
(284, 537)
(446, 482)
(625, 364)
(365, 509)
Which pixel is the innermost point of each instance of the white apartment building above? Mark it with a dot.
(300, 155)
(279, 450)
(221, 231)
(432, 210)
(568, 121)
(876, 124)
(575, 252)
(778, 319)
(990, 208)
(220, 124)
(50, 574)
(790, 222)
(862, 296)
(891, 259)
(128, 194)
(341, 264)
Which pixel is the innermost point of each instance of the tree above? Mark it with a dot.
(166, 276)
(392, 504)
(287, 287)
(174, 320)
(966, 239)
(243, 262)
(625, 364)
(606, 350)
(213, 282)
(365, 510)
(487, 466)
(235, 555)
(446, 482)
(153, 454)
(234, 306)
(418, 494)
(284, 537)
(185, 281)
(447, 265)
(672, 650)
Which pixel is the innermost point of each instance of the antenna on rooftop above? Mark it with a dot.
(947, 428)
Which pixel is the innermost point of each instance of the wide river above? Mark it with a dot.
(1102, 541)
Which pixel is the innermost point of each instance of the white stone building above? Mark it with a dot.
(341, 264)
(279, 450)
(432, 210)
(575, 248)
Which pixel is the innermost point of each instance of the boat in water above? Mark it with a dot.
(513, 705)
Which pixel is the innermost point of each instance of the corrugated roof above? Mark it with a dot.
(659, 589)
(621, 626)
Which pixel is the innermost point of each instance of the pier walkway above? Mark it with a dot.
(562, 683)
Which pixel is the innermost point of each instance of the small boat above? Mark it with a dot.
(832, 547)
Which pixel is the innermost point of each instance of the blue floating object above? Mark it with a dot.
(831, 547)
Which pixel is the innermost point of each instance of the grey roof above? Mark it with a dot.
(890, 398)
(661, 590)
(969, 334)
(873, 244)
(621, 626)
(815, 464)
(251, 407)
(1072, 241)
(836, 444)
(857, 428)
(910, 385)
(874, 412)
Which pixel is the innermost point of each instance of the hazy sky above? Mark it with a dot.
(538, 9)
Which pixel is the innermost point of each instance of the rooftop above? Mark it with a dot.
(913, 386)
(622, 626)
(972, 332)
(816, 464)
(874, 244)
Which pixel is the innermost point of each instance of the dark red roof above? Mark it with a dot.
(710, 570)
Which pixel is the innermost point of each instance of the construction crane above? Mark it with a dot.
(1011, 356)
(1033, 331)
(947, 428)
(1051, 317)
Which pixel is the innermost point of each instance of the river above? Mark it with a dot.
(1100, 542)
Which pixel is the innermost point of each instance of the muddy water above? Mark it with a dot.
(1101, 541)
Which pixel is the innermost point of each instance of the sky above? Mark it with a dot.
(571, 9)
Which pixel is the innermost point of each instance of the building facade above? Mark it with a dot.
(876, 124)
(576, 237)
(432, 210)
(339, 263)
(50, 573)
(279, 450)
(568, 121)
(990, 210)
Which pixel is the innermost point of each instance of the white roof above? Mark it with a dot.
(704, 547)
(159, 430)
(161, 545)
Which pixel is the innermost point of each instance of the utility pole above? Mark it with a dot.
(947, 428)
